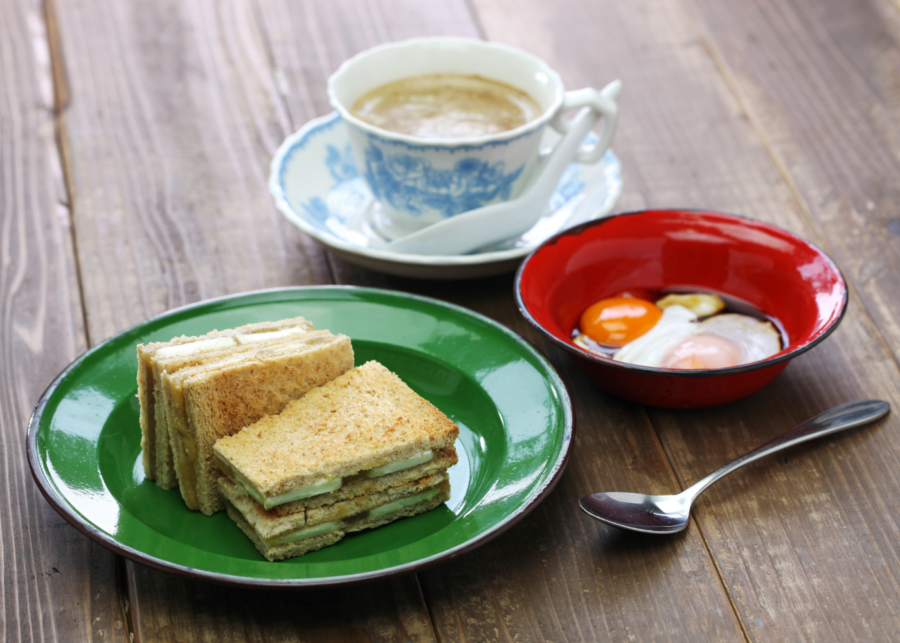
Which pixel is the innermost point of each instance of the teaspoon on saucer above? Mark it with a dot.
(669, 514)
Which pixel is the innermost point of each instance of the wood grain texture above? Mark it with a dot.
(685, 141)
(807, 540)
(821, 82)
(377, 613)
(174, 119)
(56, 584)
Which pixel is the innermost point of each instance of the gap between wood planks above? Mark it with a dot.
(703, 538)
(273, 71)
(61, 98)
(60, 102)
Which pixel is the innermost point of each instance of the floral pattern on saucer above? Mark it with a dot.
(342, 169)
(317, 185)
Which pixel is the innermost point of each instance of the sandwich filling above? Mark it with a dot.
(335, 525)
(219, 343)
(327, 485)
(278, 538)
(392, 467)
(195, 348)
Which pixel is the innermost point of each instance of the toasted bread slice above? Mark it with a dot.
(280, 537)
(366, 420)
(218, 398)
(158, 357)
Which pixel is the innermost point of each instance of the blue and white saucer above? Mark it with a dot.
(317, 187)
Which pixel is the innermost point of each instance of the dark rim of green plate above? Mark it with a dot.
(64, 508)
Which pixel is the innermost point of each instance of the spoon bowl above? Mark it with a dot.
(639, 512)
(669, 514)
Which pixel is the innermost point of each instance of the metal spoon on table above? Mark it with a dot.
(669, 514)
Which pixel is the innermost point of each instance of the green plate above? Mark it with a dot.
(513, 411)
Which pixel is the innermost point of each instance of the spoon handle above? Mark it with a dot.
(845, 416)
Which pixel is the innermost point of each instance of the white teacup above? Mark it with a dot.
(419, 181)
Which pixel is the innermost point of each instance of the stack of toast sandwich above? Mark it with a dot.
(356, 453)
(195, 390)
(272, 422)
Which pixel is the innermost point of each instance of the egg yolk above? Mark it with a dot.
(616, 321)
(703, 351)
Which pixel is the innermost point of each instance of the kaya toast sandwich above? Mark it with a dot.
(158, 357)
(218, 398)
(356, 453)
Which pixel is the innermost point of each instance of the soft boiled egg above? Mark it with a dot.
(678, 341)
(670, 333)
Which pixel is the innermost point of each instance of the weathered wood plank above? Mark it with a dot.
(793, 537)
(819, 81)
(382, 612)
(807, 540)
(56, 584)
(174, 118)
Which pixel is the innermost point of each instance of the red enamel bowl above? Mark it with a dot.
(786, 277)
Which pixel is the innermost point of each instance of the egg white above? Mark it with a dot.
(755, 338)
(676, 324)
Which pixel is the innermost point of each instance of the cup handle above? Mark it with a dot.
(601, 101)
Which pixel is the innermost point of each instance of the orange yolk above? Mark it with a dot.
(616, 321)
(703, 351)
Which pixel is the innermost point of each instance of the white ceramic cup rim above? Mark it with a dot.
(530, 126)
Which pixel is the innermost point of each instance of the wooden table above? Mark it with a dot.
(134, 147)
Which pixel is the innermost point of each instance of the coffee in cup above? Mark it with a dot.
(446, 106)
